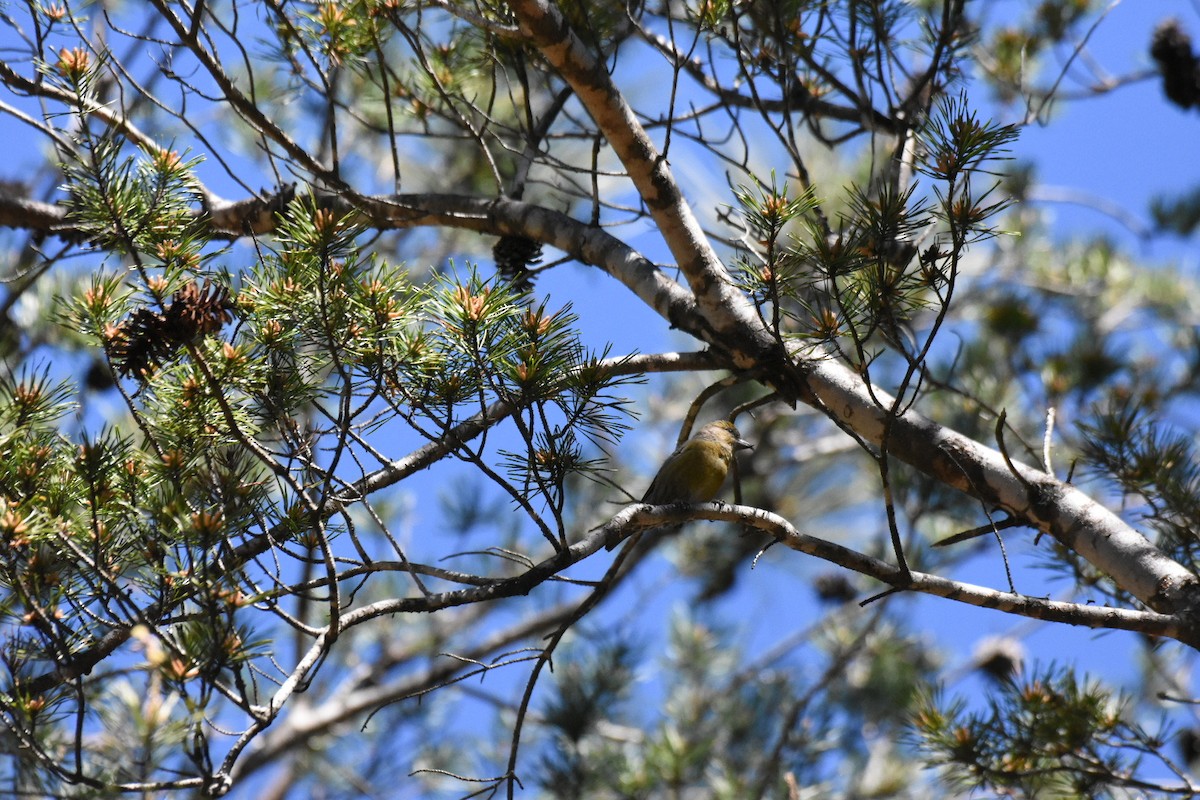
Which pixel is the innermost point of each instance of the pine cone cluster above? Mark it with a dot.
(146, 340)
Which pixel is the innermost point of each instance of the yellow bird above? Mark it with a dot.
(695, 472)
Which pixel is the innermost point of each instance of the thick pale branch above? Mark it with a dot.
(726, 311)
(588, 244)
(1057, 508)
(1149, 622)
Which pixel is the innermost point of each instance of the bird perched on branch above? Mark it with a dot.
(695, 472)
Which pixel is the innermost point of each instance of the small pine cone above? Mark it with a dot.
(514, 255)
(1172, 49)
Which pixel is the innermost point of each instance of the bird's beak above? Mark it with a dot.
(742, 444)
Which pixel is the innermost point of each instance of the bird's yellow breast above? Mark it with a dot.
(692, 475)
